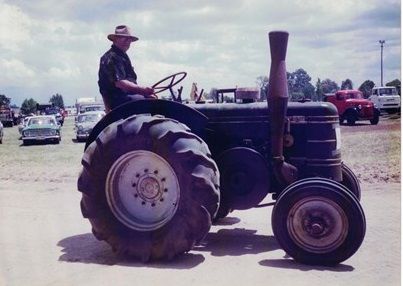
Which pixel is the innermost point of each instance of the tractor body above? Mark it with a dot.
(157, 173)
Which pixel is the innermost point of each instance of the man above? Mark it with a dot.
(117, 78)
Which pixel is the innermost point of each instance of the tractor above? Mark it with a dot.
(157, 173)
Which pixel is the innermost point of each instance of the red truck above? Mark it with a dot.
(6, 115)
(352, 106)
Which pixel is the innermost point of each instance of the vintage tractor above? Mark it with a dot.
(157, 173)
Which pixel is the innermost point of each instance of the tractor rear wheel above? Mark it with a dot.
(149, 187)
(318, 221)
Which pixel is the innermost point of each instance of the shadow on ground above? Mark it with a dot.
(236, 242)
(289, 263)
(85, 248)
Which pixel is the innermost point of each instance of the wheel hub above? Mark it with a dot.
(317, 224)
(142, 190)
(149, 188)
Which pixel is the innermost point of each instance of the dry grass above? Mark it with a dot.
(373, 152)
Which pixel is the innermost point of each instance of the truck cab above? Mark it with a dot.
(386, 98)
(352, 106)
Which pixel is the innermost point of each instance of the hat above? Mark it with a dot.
(122, 31)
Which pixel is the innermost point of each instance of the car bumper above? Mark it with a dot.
(41, 138)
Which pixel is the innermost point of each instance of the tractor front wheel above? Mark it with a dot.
(318, 221)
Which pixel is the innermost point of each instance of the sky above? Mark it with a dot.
(49, 47)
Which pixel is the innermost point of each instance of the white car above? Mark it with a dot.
(386, 98)
(23, 124)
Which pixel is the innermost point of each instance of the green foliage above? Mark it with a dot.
(347, 84)
(318, 91)
(263, 84)
(28, 106)
(329, 86)
(57, 100)
(299, 83)
(366, 88)
(396, 83)
(4, 100)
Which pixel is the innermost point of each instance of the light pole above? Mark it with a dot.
(382, 42)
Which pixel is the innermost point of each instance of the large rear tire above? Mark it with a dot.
(150, 188)
(318, 221)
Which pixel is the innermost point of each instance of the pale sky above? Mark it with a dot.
(49, 47)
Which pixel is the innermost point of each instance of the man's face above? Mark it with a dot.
(123, 43)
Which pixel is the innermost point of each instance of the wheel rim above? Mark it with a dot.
(317, 224)
(142, 190)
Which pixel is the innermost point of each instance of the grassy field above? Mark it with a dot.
(373, 152)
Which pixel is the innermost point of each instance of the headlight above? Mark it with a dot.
(80, 127)
(359, 106)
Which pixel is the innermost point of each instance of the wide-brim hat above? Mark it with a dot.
(122, 31)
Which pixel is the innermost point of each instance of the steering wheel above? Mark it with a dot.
(168, 82)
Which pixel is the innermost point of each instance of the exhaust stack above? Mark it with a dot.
(277, 99)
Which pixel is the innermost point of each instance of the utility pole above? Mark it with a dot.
(382, 42)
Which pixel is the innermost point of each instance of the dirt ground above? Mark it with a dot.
(45, 241)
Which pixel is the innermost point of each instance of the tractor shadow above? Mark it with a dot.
(85, 248)
(289, 263)
(236, 242)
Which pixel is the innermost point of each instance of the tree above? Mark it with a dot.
(263, 84)
(347, 84)
(319, 91)
(4, 100)
(299, 85)
(366, 88)
(28, 106)
(57, 100)
(329, 86)
(396, 83)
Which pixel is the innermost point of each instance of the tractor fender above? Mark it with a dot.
(194, 119)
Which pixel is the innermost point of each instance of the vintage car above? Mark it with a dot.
(352, 106)
(42, 128)
(23, 123)
(1, 132)
(85, 122)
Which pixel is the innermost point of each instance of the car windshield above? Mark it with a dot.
(93, 108)
(41, 121)
(387, 91)
(356, 95)
(89, 118)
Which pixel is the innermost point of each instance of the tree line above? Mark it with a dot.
(30, 105)
(300, 87)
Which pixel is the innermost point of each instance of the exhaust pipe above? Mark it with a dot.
(277, 99)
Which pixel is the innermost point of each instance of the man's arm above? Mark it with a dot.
(133, 88)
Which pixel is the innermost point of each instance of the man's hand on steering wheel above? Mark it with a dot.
(148, 92)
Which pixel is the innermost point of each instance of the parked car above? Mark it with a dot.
(23, 123)
(57, 113)
(85, 122)
(386, 98)
(41, 129)
(352, 106)
(1, 132)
